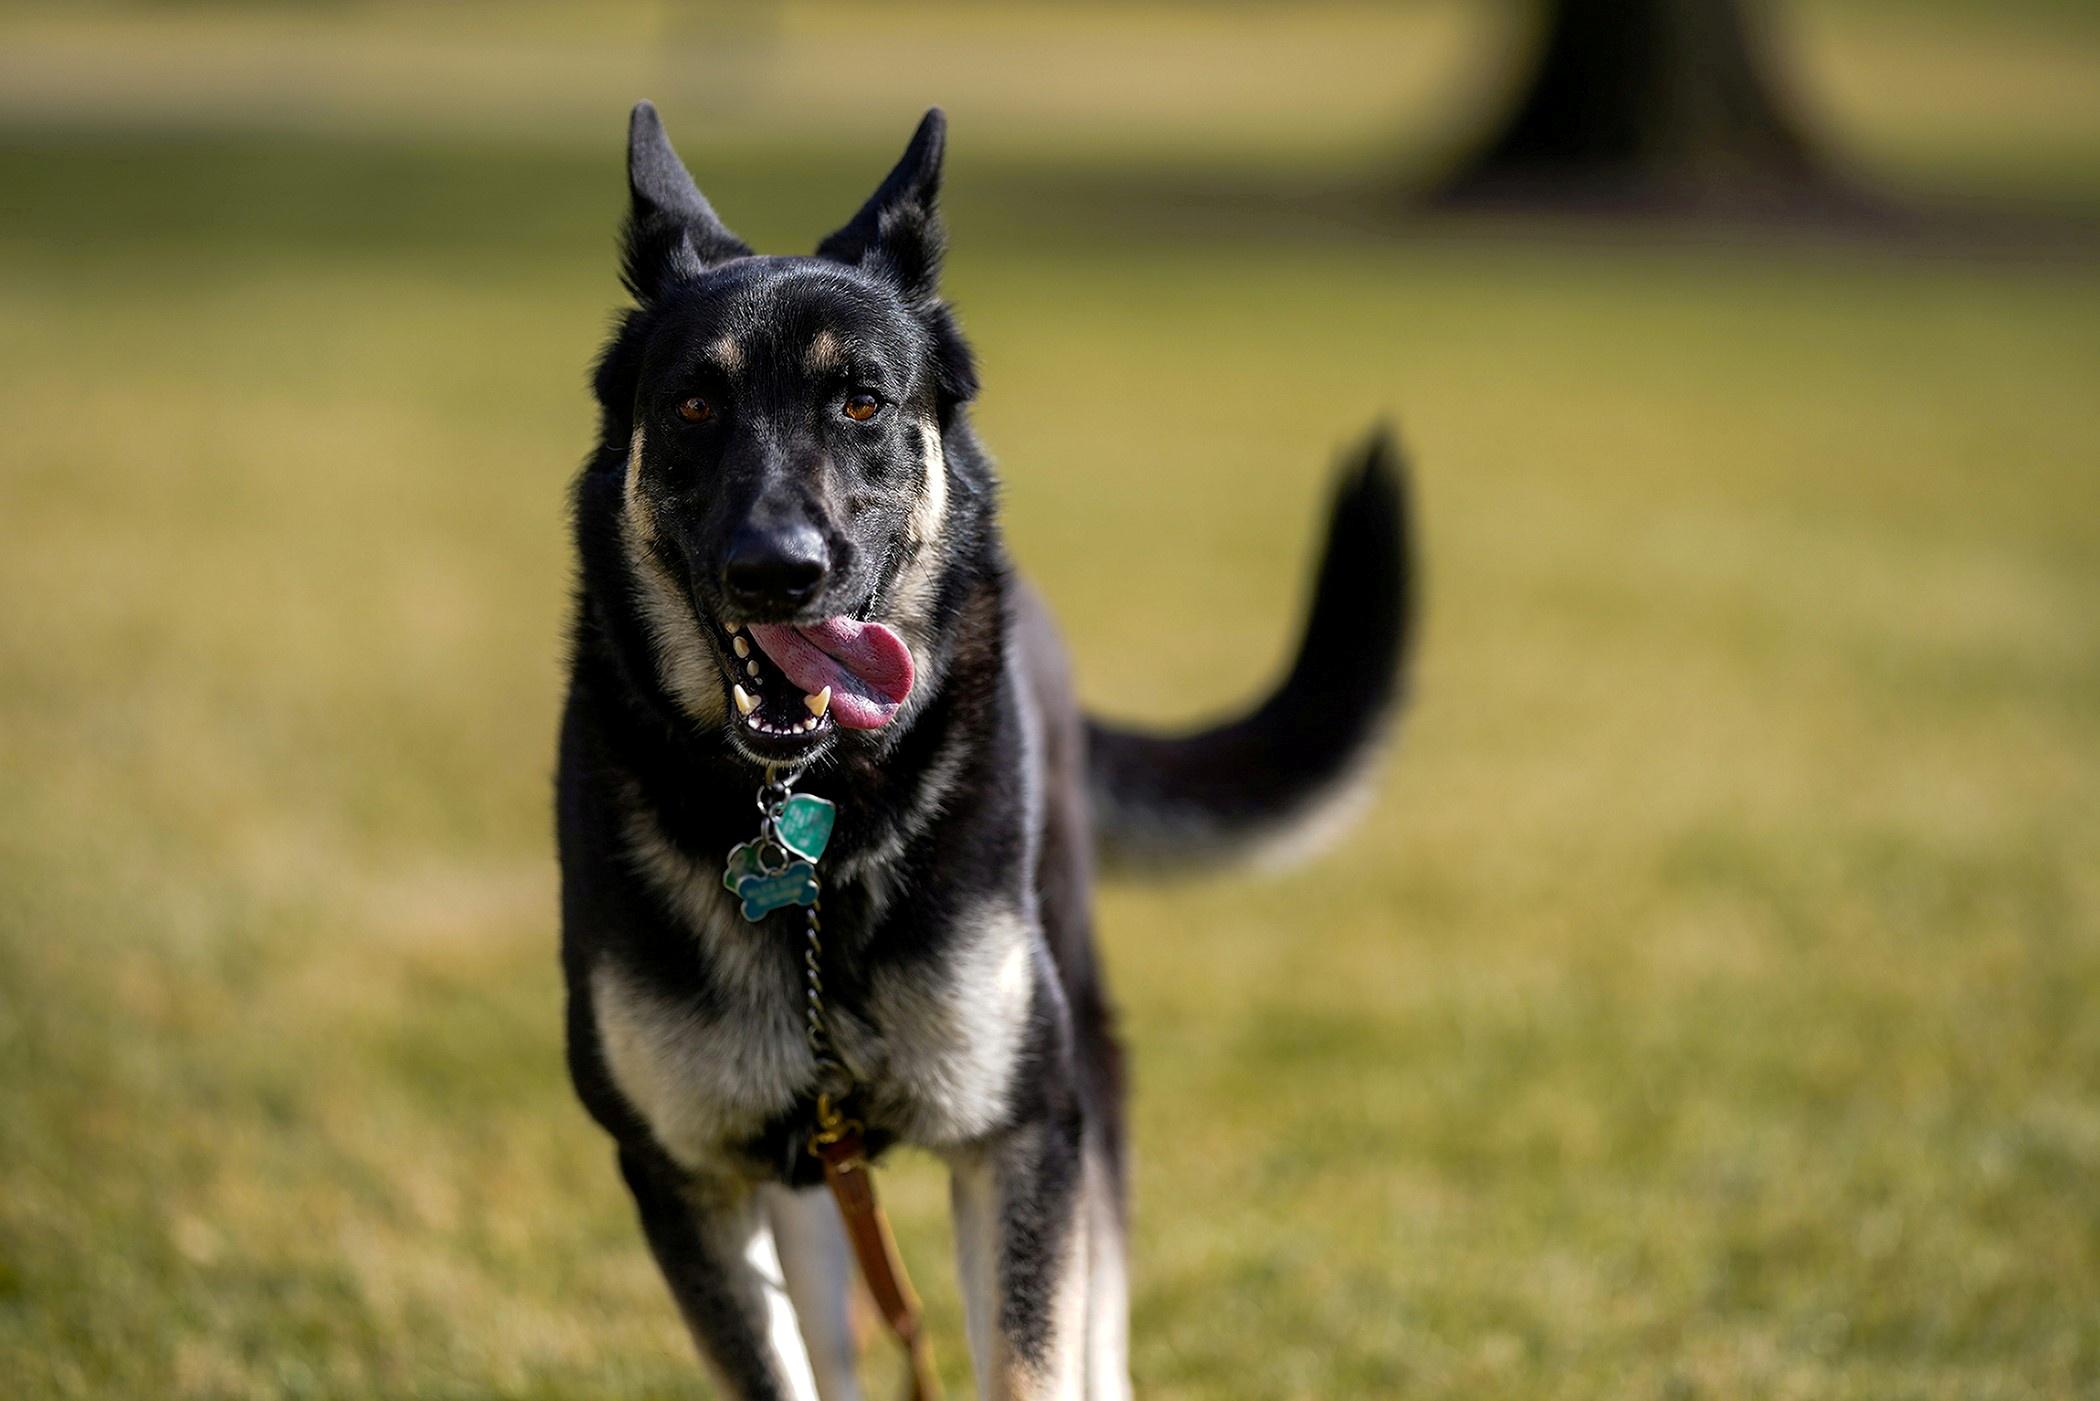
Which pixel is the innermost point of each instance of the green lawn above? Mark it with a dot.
(1706, 1008)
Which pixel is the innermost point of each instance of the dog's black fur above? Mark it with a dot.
(960, 975)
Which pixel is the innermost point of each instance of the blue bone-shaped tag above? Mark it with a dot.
(763, 894)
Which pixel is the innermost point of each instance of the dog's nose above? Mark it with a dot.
(779, 568)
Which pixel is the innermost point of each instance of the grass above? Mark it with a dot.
(1703, 1010)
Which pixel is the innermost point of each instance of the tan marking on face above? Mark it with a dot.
(727, 354)
(639, 513)
(931, 509)
(824, 353)
(683, 661)
(635, 442)
(911, 601)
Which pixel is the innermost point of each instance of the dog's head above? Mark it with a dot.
(782, 422)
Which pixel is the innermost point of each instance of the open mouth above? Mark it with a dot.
(793, 686)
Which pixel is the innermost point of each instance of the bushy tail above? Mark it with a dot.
(1262, 782)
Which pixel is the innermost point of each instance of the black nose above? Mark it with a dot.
(776, 568)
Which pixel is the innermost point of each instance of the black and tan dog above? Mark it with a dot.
(790, 563)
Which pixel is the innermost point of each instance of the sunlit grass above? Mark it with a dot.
(1704, 1008)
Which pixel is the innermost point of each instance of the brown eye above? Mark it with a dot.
(860, 407)
(696, 410)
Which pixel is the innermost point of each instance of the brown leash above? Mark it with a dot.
(838, 1143)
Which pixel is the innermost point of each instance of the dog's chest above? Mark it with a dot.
(931, 1045)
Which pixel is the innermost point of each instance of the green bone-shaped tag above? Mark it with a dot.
(743, 861)
(804, 825)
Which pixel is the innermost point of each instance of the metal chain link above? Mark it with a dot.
(829, 1067)
(833, 1078)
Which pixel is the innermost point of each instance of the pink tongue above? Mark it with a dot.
(867, 667)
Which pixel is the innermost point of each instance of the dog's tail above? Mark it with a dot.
(1260, 785)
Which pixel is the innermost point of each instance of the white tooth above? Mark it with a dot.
(751, 667)
(743, 647)
(818, 703)
(810, 723)
(745, 701)
(730, 628)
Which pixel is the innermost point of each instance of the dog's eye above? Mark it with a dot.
(696, 410)
(861, 406)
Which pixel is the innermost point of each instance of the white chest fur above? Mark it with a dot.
(934, 1047)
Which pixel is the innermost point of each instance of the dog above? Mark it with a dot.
(791, 582)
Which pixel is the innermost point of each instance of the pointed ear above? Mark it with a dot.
(672, 231)
(897, 233)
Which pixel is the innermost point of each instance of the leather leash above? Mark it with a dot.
(838, 1143)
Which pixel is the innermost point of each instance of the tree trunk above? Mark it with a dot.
(1647, 105)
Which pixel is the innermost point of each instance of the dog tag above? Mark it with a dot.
(743, 861)
(763, 894)
(804, 825)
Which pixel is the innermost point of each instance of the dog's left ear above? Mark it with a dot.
(898, 236)
(897, 233)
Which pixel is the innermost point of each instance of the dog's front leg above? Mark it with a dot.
(817, 1263)
(712, 1242)
(1021, 1248)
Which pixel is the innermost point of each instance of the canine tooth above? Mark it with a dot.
(818, 704)
(751, 667)
(745, 701)
(731, 628)
(743, 646)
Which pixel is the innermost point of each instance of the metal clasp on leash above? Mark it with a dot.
(833, 1128)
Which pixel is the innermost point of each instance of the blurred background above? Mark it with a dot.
(1705, 1008)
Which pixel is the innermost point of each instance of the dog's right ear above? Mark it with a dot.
(672, 231)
